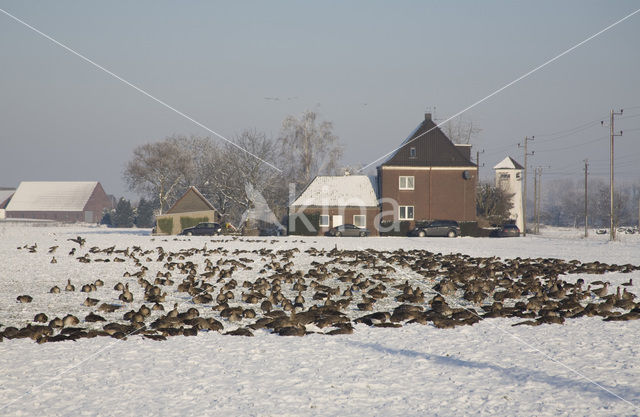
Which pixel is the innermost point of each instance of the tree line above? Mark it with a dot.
(563, 203)
(232, 175)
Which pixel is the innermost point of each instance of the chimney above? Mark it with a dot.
(427, 116)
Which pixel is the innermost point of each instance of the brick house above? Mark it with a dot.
(428, 178)
(330, 201)
(65, 201)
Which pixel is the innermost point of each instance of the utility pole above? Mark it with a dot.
(538, 197)
(586, 216)
(524, 193)
(535, 199)
(612, 231)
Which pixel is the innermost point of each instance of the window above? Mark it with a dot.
(324, 220)
(406, 212)
(406, 183)
(412, 153)
(359, 220)
(504, 176)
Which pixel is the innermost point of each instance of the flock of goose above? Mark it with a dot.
(183, 292)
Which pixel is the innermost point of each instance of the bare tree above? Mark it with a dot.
(460, 130)
(160, 170)
(227, 172)
(310, 147)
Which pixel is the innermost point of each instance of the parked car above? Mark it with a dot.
(348, 230)
(443, 228)
(506, 230)
(601, 231)
(203, 229)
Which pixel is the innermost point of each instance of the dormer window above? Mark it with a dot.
(412, 152)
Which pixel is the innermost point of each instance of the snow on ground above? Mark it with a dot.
(583, 367)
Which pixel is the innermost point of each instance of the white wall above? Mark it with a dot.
(510, 180)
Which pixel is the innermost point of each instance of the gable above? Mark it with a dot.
(192, 200)
(432, 148)
(508, 163)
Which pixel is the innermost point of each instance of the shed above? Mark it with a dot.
(190, 209)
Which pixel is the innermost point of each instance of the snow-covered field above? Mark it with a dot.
(583, 367)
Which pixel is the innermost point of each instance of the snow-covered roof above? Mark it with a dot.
(51, 195)
(508, 163)
(339, 191)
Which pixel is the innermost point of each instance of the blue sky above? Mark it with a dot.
(371, 67)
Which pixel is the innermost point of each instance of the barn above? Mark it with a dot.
(330, 201)
(64, 201)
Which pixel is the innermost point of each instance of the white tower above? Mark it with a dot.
(509, 178)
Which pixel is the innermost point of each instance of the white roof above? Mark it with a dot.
(51, 196)
(340, 191)
(508, 163)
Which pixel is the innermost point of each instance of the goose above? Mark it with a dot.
(92, 318)
(108, 308)
(69, 286)
(602, 291)
(126, 295)
(174, 312)
(90, 302)
(40, 318)
(24, 298)
(55, 290)
(70, 320)
(628, 283)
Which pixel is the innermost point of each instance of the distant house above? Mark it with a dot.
(190, 209)
(330, 201)
(65, 201)
(509, 174)
(428, 178)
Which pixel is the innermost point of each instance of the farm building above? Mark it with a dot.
(428, 178)
(330, 201)
(65, 201)
(190, 209)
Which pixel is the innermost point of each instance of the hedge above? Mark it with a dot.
(397, 229)
(165, 225)
(300, 226)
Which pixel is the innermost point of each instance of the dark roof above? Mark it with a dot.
(191, 200)
(432, 148)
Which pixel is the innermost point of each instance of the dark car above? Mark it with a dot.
(443, 228)
(348, 230)
(203, 229)
(506, 230)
